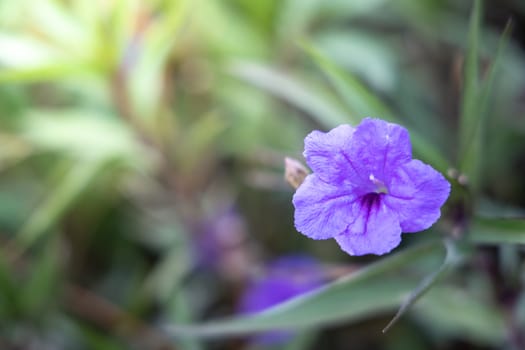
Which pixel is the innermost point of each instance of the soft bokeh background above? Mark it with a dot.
(142, 149)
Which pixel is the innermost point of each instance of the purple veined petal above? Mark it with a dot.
(417, 192)
(376, 229)
(379, 148)
(326, 154)
(322, 210)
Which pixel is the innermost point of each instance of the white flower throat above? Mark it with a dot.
(380, 185)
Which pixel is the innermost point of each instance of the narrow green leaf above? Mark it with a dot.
(182, 313)
(43, 72)
(166, 277)
(496, 231)
(286, 88)
(82, 134)
(486, 208)
(197, 139)
(9, 300)
(226, 33)
(375, 288)
(352, 91)
(471, 78)
(452, 258)
(362, 103)
(475, 116)
(25, 59)
(366, 55)
(509, 258)
(74, 183)
(146, 79)
(452, 312)
(41, 286)
(56, 22)
(295, 16)
(23, 52)
(302, 340)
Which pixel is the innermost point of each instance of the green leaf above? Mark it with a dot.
(291, 91)
(452, 258)
(43, 73)
(362, 103)
(486, 208)
(54, 21)
(9, 298)
(197, 139)
(226, 33)
(166, 277)
(182, 313)
(348, 9)
(495, 231)
(151, 51)
(452, 312)
(302, 340)
(471, 76)
(376, 288)
(41, 287)
(22, 52)
(509, 263)
(25, 59)
(295, 16)
(82, 134)
(353, 92)
(476, 100)
(368, 56)
(70, 188)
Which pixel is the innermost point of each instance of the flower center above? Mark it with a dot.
(380, 185)
(371, 200)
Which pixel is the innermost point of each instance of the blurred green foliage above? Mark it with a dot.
(130, 127)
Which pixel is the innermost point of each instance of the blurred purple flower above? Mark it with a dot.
(284, 278)
(221, 244)
(366, 189)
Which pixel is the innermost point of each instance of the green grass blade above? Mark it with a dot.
(475, 116)
(488, 83)
(471, 78)
(42, 284)
(496, 231)
(60, 199)
(353, 92)
(454, 312)
(10, 302)
(452, 258)
(183, 314)
(44, 72)
(361, 103)
(289, 90)
(376, 288)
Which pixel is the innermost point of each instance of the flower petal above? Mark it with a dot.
(379, 148)
(326, 154)
(417, 192)
(322, 210)
(376, 229)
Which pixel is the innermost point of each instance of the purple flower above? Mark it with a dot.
(366, 189)
(221, 244)
(285, 278)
